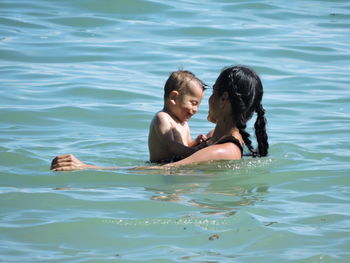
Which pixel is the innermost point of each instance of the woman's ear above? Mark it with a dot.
(224, 98)
(173, 96)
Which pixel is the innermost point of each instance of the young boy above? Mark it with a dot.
(169, 136)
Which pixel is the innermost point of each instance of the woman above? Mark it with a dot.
(237, 94)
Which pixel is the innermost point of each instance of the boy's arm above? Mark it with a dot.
(200, 138)
(167, 135)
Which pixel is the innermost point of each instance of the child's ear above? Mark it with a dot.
(173, 96)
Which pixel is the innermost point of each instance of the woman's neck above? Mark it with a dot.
(225, 128)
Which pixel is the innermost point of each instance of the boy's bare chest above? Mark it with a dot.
(180, 132)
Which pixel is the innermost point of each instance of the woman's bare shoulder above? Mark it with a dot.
(225, 151)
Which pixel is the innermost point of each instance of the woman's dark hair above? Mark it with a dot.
(245, 93)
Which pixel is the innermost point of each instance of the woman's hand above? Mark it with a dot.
(68, 162)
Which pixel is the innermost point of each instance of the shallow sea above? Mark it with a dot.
(86, 76)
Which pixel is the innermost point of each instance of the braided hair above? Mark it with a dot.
(245, 92)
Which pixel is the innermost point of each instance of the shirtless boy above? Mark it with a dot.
(169, 136)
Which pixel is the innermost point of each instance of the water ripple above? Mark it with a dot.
(87, 76)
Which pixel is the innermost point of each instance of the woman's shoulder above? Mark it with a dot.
(233, 140)
(226, 150)
(222, 151)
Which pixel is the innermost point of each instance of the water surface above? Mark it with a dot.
(86, 77)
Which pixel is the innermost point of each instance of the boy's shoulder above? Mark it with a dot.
(162, 116)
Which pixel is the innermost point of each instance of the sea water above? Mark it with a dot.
(86, 77)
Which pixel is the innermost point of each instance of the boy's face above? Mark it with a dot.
(188, 101)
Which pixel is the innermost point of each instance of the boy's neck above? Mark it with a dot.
(171, 114)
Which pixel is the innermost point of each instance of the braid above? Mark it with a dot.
(245, 136)
(260, 131)
(242, 113)
(245, 92)
(241, 118)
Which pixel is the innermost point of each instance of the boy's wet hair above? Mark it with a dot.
(179, 80)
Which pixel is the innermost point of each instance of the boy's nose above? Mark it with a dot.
(195, 109)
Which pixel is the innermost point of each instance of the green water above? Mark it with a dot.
(86, 77)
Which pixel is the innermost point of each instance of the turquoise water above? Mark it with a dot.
(86, 77)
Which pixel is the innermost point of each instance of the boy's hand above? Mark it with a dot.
(200, 138)
(200, 142)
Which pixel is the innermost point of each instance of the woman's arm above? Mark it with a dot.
(69, 162)
(225, 151)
